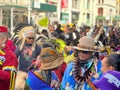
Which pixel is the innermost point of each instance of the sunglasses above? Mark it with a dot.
(84, 52)
(31, 38)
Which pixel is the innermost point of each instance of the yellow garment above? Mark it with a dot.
(69, 58)
(2, 57)
(71, 25)
(44, 22)
(3, 53)
(61, 49)
(61, 46)
(12, 80)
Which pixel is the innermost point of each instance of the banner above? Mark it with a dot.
(64, 3)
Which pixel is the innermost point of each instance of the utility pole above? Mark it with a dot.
(70, 10)
(29, 4)
(59, 9)
(0, 16)
(12, 18)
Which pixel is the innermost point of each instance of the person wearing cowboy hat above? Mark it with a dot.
(78, 71)
(8, 62)
(45, 78)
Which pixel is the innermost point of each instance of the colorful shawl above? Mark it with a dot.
(36, 83)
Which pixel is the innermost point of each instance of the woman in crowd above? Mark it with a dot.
(111, 74)
(111, 62)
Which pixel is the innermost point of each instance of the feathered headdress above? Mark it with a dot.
(16, 31)
(26, 31)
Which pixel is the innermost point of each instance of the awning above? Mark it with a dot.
(100, 18)
(116, 18)
(16, 6)
(43, 7)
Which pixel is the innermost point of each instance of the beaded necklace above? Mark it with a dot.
(82, 71)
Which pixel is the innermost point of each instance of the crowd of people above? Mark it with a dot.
(61, 57)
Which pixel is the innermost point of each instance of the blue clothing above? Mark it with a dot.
(35, 82)
(68, 78)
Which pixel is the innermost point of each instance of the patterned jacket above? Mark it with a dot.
(8, 66)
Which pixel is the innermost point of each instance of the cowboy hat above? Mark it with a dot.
(86, 43)
(50, 59)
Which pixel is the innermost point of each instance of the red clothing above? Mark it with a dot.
(60, 71)
(10, 63)
(11, 45)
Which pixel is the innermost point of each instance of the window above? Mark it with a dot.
(98, 1)
(13, 1)
(75, 4)
(100, 11)
(88, 16)
(6, 17)
(88, 4)
(7, 1)
(102, 1)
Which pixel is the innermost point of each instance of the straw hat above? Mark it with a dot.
(50, 59)
(86, 43)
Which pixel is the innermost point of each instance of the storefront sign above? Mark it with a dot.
(64, 3)
(37, 4)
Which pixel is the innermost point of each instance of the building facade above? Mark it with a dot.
(106, 11)
(118, 7)
(78, 11)
(117, 17)
(13, 12)
(88, 12)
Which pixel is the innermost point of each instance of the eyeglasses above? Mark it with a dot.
(84, 52)
(31, 38)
